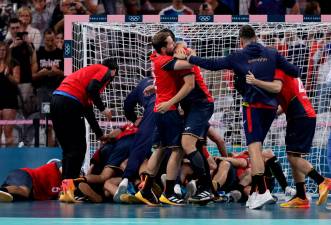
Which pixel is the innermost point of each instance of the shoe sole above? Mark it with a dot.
(260, 206)
(139, 196)
(5, 197)
(129, 199)
(120, 191)
(323, 197)
(200, 202)
(295, 207)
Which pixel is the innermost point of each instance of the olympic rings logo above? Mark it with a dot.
(205, 18)
(134, 18)
(67, 49)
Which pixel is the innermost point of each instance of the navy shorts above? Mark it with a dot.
(257, 122)
(196, 120)
(18, 177)
(115, 153)
(170, 127)
(299, 135)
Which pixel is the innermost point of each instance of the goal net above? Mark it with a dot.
(308, 45)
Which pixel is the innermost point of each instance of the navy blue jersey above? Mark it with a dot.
(260, 60)
(136, 96)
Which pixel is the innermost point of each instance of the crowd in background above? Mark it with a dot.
(31, 42)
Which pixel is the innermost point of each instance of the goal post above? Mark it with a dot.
(308, 45)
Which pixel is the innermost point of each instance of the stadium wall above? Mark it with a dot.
(14, 158)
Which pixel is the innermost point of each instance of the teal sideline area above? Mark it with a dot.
(143, 221)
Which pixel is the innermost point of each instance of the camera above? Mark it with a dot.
(204, 6)
(21, 34)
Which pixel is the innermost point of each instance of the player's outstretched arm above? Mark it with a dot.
(90, 117)
(274, 86)
(210, 64)
(188, 86)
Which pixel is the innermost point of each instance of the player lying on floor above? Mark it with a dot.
(106, 161)
(234, 173)
(42, 183)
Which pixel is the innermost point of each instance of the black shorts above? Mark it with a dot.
(299, 135)
(18, 177)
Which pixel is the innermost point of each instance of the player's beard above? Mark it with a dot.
(170, 52)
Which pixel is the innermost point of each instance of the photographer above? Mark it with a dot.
(50, 73)
(206, 9)
(24, 53)
(67, 7)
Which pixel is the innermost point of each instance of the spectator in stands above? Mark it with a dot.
(177, 8)
(312, 8)
(244, 7)
(23, 51)
(25, 16)
(113, 7)
(273, 7)
(41, 15)
(50, 73)
(221, 7)
(5, 12)
(325, 6)
(92, 6)
(59, 40)
(206, 9)
(146, 7)
(9, 78)
(14, 26)
(66, 7)
(132, 7)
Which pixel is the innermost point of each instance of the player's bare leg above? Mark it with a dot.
(14, 193)
(221, 175)
(203, 193)
(263, 195)
(302, 166)
(173, 167)
(146, 194)
(110, 186)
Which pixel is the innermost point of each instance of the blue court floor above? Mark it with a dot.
(54, 213)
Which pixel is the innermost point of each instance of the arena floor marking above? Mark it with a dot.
(148, 221)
